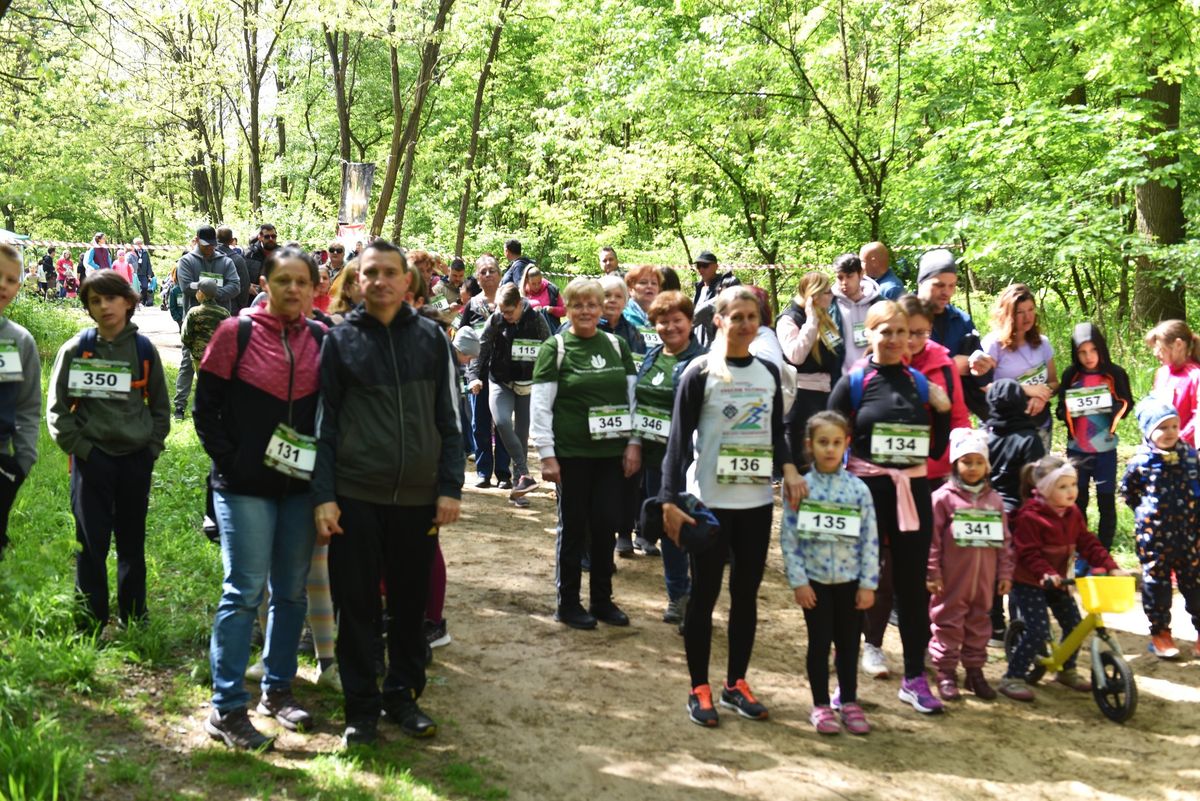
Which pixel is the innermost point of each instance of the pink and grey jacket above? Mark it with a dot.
(966, 572)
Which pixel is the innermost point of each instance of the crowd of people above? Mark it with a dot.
(340, 400)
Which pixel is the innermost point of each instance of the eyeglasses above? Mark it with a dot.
(919, 333)
(337, 250)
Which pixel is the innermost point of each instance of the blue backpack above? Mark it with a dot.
(859, 377)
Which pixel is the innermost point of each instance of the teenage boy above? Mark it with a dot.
(20, 393)
(109, 410)
(388, 474)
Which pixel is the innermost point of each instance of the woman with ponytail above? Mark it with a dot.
(811, 340)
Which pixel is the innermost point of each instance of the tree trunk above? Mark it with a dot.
(1160, 219)
(281, 128)
(339, 58)
(429, 59)
(473, 146)
(393, 164)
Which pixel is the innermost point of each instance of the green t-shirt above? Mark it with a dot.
(656, 394)
(592, 376)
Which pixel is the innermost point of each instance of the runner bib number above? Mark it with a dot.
(832, 340)
(1034, 376)
(99, 378)
(291, 453)
(525, 350)
(825, 521)
(895, 441)
(441, 304)
(609, 422)
(652, 423)
(638, 358)
(978, 528)
(220, 279)
(860, 335)
(743, 465)
(650, 336)
(10, 361)
(1088, 400)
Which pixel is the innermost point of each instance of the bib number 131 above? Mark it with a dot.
(291, 453)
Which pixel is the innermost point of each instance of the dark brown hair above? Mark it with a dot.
(108, 283)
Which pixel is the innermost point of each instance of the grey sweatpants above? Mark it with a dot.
(510, 413)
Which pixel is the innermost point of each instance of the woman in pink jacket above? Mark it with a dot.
(1177, 349)
(935, 363)
(969, 552)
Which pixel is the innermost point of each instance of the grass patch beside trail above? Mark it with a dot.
(83, 718)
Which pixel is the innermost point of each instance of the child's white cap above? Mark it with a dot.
(967, 440)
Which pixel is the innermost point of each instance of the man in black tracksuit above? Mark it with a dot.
(388, 474)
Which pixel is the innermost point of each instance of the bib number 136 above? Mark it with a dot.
(744, 465)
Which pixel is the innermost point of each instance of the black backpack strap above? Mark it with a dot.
(949, 376)
(317, 331)
(244, 326)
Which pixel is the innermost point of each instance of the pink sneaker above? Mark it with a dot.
(824, 720)
(854, 719)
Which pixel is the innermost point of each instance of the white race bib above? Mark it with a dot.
(1034, 376)
(650, 336)
(860, 335)
(893, 442)
(99, 378)
(10, 361)
(609, 422)
(825, 521)
(525, 350)
(652, 423)
(291, 453)
(220, 279)
(832, 340)
(1088, 400)
(978, 528)
(744, 465)
(440, 303)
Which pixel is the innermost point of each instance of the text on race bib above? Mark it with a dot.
(1034, 376)
(99, 378)
(638, 358)
(652, 423)
(860, 335)
(291, 453)
(833, 341)
(220, 279)
(1088, 400)
(441, 304)
(825, 521)
(978, 528)
(897, 442)
(609, 422)
(10, 361)
(650, 336)
(744, 465)
(525, 350)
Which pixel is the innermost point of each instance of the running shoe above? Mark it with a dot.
(824, 720)
(524, 485)
(874, 662)
(283, 706)
(505, 484)
(436, 634)
(740, 698)
(1163, 646)
(854, 719)
(411, 720)
(1015, 688)
(676, 610)
(483, 483)
(646, 547)
(915, 691)
(233, 727)
(361, 732)
(700, 706)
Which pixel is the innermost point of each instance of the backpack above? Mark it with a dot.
(859, 378)
(145, 354)
(562, 347)
(245, 325)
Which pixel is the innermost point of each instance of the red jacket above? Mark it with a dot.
(936, 365)
(1044, 541)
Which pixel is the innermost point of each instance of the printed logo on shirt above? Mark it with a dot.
(752, 418)
(730, 411)
(598, 361)
(658, 379)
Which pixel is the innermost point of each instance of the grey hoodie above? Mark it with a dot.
(21, 401)
(854, 313)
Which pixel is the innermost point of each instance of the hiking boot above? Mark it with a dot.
(610, 613)
(235, 729)
(1015, 689)
(361, 732)
(1163, 646)
(977, 684)
(700, 706)
(740, 698)
(947, 685)
(436, 634)
(874, 662)
(915, 691)
(1074, 679)
(524, 485)
(646, 547)
(854, 719)
(576, 617)
(504, 484)
(824, 720)
(411, 720)
(624, 546)
(283, 706)
(676, 610)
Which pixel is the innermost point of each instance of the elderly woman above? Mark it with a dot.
(582, 428)
(1022, 352)
(671, 313)
(644, 283)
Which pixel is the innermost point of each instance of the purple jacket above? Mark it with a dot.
(966, 572)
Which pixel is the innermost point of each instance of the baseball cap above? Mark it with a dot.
(706, 257)
(206, 235)
(206, 285)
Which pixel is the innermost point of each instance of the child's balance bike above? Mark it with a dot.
(1113, 686)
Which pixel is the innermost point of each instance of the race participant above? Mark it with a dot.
(543, 296)
(20, 394)
(490, 454)
(855, 294)
(726, 439)
(953, 328)
(900, 420)
(582, 427)
(255, 414)
(644, 283)
(1023, 353)
(876, 266)
(508, 348)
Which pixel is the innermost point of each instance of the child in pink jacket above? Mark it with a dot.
(970, 551)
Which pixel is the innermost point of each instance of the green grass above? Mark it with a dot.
(76, 712)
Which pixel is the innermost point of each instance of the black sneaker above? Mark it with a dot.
(436, 634)
(178, 416)
(236, 731)
(524, 485)
(740, 698)
(283, 706)
(483, 483)
(611, 614)
(624, 547)
(411, 720)
(360, 732)
(505, 484)
(700, 707)
(575, 617)
(646, 547)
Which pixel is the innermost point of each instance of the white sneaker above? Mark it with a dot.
(874, 663)
(256, 671)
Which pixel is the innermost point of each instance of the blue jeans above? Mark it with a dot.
(261, 539)
(675, 560)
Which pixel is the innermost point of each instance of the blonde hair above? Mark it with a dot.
(583, 287)
(1168, 331)
(338, 290)
(813, 284)
(715, 364)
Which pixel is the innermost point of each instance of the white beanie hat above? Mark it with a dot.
(967, 440)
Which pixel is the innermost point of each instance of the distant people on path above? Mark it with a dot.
(139, 257)
(265, 243)
(202, 319)
(516, 263)
(202, 262)
(543, 296)
(97, 256)
(704, 298)
(48, 276)
(225, 240)
(609, 263)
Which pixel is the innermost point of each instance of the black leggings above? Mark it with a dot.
(833, 621)
(747, 534)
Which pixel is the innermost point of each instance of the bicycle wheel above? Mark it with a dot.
(1115, 690)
